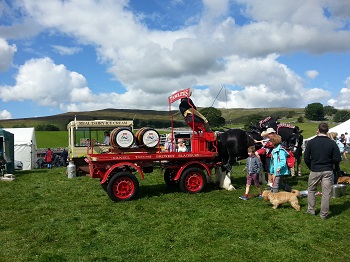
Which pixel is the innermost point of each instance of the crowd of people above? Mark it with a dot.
(322, 156)
(51, 159)
(175, 145)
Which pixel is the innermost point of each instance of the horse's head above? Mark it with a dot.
(268, 122)
(254, 135)
(293, 138)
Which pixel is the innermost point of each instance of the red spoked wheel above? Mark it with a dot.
(193, 180)
(122, 186)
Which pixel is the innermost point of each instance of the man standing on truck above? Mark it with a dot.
(190, 113)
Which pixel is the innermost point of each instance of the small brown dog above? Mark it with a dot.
(279, 198)
(344, 180)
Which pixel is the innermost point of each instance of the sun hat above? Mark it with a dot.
(270, 130)
(264, 133)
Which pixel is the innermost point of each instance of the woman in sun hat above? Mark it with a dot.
(270, 130)
(264, 153)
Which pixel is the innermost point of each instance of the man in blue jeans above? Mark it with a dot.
(320, 155)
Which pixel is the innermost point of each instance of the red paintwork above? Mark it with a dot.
(202, 155)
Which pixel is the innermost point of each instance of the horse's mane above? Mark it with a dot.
(264, 121)
(287, 125)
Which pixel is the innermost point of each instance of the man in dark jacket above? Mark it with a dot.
(187, 108)
(320, 155)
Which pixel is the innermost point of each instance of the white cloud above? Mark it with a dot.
(4, 114)
(342, 100)
(312, 74)
(64, 50)
(214, 52)
(43, 82)
(6, 53)
(15, 26)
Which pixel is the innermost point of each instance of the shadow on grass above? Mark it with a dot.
(337, 209)
(28, 172)
(147, 191)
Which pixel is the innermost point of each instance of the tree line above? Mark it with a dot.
(312, 112)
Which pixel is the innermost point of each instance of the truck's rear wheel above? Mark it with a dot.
(122, 186)
(193, 180)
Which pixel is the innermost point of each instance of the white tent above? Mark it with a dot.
(340, 129)
(25, 146)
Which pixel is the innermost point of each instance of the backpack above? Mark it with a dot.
(290, 158)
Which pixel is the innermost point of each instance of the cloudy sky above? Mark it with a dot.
(59, 56)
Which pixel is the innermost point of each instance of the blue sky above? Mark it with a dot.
(61, 56)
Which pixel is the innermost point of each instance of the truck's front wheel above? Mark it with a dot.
(193, 180)
(122, 186)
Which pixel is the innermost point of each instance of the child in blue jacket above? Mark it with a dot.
(278, 164)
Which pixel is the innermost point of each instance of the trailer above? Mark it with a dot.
(81, 133)
(119, 168)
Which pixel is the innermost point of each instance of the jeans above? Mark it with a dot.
(278, 183)
(325, 177)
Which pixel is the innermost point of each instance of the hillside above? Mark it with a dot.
(61, 120)
(232, 116)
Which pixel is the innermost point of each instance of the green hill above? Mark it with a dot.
(62, 120)
(233, 116)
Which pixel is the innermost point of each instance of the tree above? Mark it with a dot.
(48, 127)
(19, 126)
(214, 116)
(290, 114)
(329, 110)
(314, 111)
(341, 116)
(253, 120)
(300, 119)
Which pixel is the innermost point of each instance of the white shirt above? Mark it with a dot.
(106, 141)
(181, 148)
(347, 138)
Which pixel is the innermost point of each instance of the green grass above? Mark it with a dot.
(47, 217)
(46, 139)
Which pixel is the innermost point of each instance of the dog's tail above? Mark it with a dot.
(296, 192)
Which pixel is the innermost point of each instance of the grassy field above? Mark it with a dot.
(47, 217)
(51, 139)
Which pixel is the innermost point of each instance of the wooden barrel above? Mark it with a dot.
(147, 137)
(122, 137)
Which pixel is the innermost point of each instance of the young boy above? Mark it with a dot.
(252, 168)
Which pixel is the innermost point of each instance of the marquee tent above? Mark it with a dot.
(24, 146)
(340, 129)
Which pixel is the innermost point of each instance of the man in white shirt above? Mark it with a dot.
(107, 140)
(347, 140)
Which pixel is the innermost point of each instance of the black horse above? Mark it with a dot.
(293, 141)
(266, 123)
(232, 146)
(291, 136)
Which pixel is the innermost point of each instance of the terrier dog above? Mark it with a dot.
(279, 198)
(344, 180)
